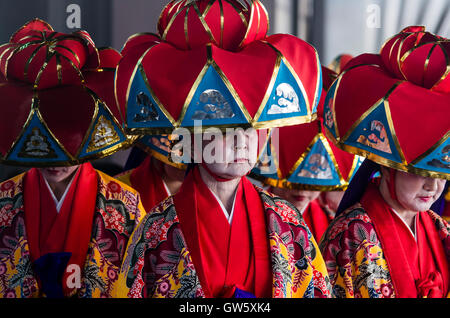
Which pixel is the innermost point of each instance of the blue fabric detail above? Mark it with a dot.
(319, 92)
(438, 159)
(373, 135)
(37, 145)
(317, 168)
(328, 121)
(147, 141)
(50, 269)
(102, 112)
(213, 104)
(239, 293)
(286, 99)
(142, 109)
(266, 165)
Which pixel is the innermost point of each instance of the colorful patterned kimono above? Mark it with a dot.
(159, 262)
(145, 180)
(117, 210)
(372, 254)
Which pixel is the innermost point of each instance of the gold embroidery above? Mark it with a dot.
(104, 134)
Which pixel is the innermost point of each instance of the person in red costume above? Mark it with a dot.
(309, 172)
(219, 235)
(157, 176)
(64, 225)
(385, 242)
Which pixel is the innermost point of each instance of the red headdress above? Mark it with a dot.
(213, 62)
(302, 157)
(57, 100)
(393, 107)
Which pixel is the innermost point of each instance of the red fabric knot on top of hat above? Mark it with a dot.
(379, 104)
(35, 50)
(228, 24)
(213, 61)
(414, 46)
(57, 103)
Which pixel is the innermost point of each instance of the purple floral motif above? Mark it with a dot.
(164, 287)
(10, 293)
(112, 274)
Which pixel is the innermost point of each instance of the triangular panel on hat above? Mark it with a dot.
(37, 144)
(438, 158)
(319, 89)
(161, 147)
(357, 162)
(286, 96)
(267, 165)
(212, 102)
(328, 114)
(104, 134)
(374, 133)
(143, 111)
(317, 167)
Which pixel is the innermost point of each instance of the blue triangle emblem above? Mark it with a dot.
(438, 160)
(373, 135)
(319, 92)
(213, 103)
(37, 145)
(266, 166)
(104, 134)
(328, 120)
(142, 109)
(286, 99)
(317, 168)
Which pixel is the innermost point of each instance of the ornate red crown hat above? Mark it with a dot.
(213, 62)
(393, 107)
(57, 100)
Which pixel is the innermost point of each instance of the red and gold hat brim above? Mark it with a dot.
(270, 83)
(161, 148)
(229, 24)
(302, 157)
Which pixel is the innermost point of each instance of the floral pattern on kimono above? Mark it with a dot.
(354, 256)
(158, 262)
(118, 210)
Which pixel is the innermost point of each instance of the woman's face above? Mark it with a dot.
(299, 198)
(417, 193)
(238, 153)
(57, 174)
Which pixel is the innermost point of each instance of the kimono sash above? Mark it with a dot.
(417, 269)
(148, 183)
(53, 235)
(229, 258)
(316, 218)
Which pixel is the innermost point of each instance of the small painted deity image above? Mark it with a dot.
(376, 137)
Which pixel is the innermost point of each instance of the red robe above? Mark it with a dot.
(68, 230)
(227, 256)
(147, 182)
(418, 269)
(317, 219)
